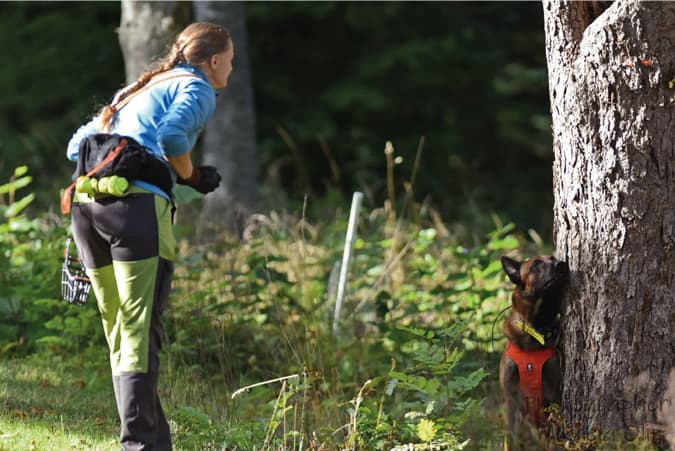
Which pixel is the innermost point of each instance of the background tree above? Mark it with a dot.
(229, 140)
(611, 90)
(147, 29)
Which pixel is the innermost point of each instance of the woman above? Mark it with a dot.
(127, 242)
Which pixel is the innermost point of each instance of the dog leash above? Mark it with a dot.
(493, 326)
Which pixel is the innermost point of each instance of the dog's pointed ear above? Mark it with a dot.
(512, 269)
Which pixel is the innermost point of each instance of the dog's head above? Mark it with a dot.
(536, 279)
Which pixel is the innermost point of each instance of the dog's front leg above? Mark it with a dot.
(552, 385)
(552, 381)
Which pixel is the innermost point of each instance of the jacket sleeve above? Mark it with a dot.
(192, 107)
(90, 128)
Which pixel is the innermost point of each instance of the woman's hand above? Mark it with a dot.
(203, 178)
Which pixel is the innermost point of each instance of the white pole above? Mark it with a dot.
(346, 258)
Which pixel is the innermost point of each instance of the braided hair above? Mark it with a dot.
(194, 45)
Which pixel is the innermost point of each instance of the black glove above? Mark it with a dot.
(203, 178)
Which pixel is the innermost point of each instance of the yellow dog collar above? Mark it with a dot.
(531, 331)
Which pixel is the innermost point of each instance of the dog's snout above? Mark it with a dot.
(561, 267)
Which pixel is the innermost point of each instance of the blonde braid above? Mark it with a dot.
(174, 58)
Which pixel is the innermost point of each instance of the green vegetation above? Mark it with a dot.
(250, 360)
(57, 403)
(406, 367)
(32, 317)
(333, 80)
(61, 62)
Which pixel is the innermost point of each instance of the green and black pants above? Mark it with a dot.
(128, 248)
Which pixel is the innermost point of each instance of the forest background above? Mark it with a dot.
(416, 359)
(469, 77)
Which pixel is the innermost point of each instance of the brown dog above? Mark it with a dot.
(529, 372)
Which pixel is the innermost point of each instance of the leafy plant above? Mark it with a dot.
(425, 404)
(13, 208)
(32, 314)
(193, 429)
(263, 307)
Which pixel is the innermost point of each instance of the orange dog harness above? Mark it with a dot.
(530, 365)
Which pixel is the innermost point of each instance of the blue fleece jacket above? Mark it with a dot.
(166, 118)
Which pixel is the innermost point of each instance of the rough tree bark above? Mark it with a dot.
(229, 141)
(612, 101)
(147, 29)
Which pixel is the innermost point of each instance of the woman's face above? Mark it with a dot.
(220, 67)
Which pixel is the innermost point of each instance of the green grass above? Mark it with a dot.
(56, 403)
(51, 403)
(67, 403)
(244, 313)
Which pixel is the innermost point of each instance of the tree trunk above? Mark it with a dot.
(147, 30)
(229, 141)
(614, 219)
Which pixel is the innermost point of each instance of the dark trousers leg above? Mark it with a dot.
(143, 423)
(163, 441)
(164, 275)
(128, 434)
(144, 426)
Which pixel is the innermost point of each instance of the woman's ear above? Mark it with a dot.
(213, 61)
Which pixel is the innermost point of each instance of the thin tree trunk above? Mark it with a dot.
(229, 141)
(614, 184)
(147, 29)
